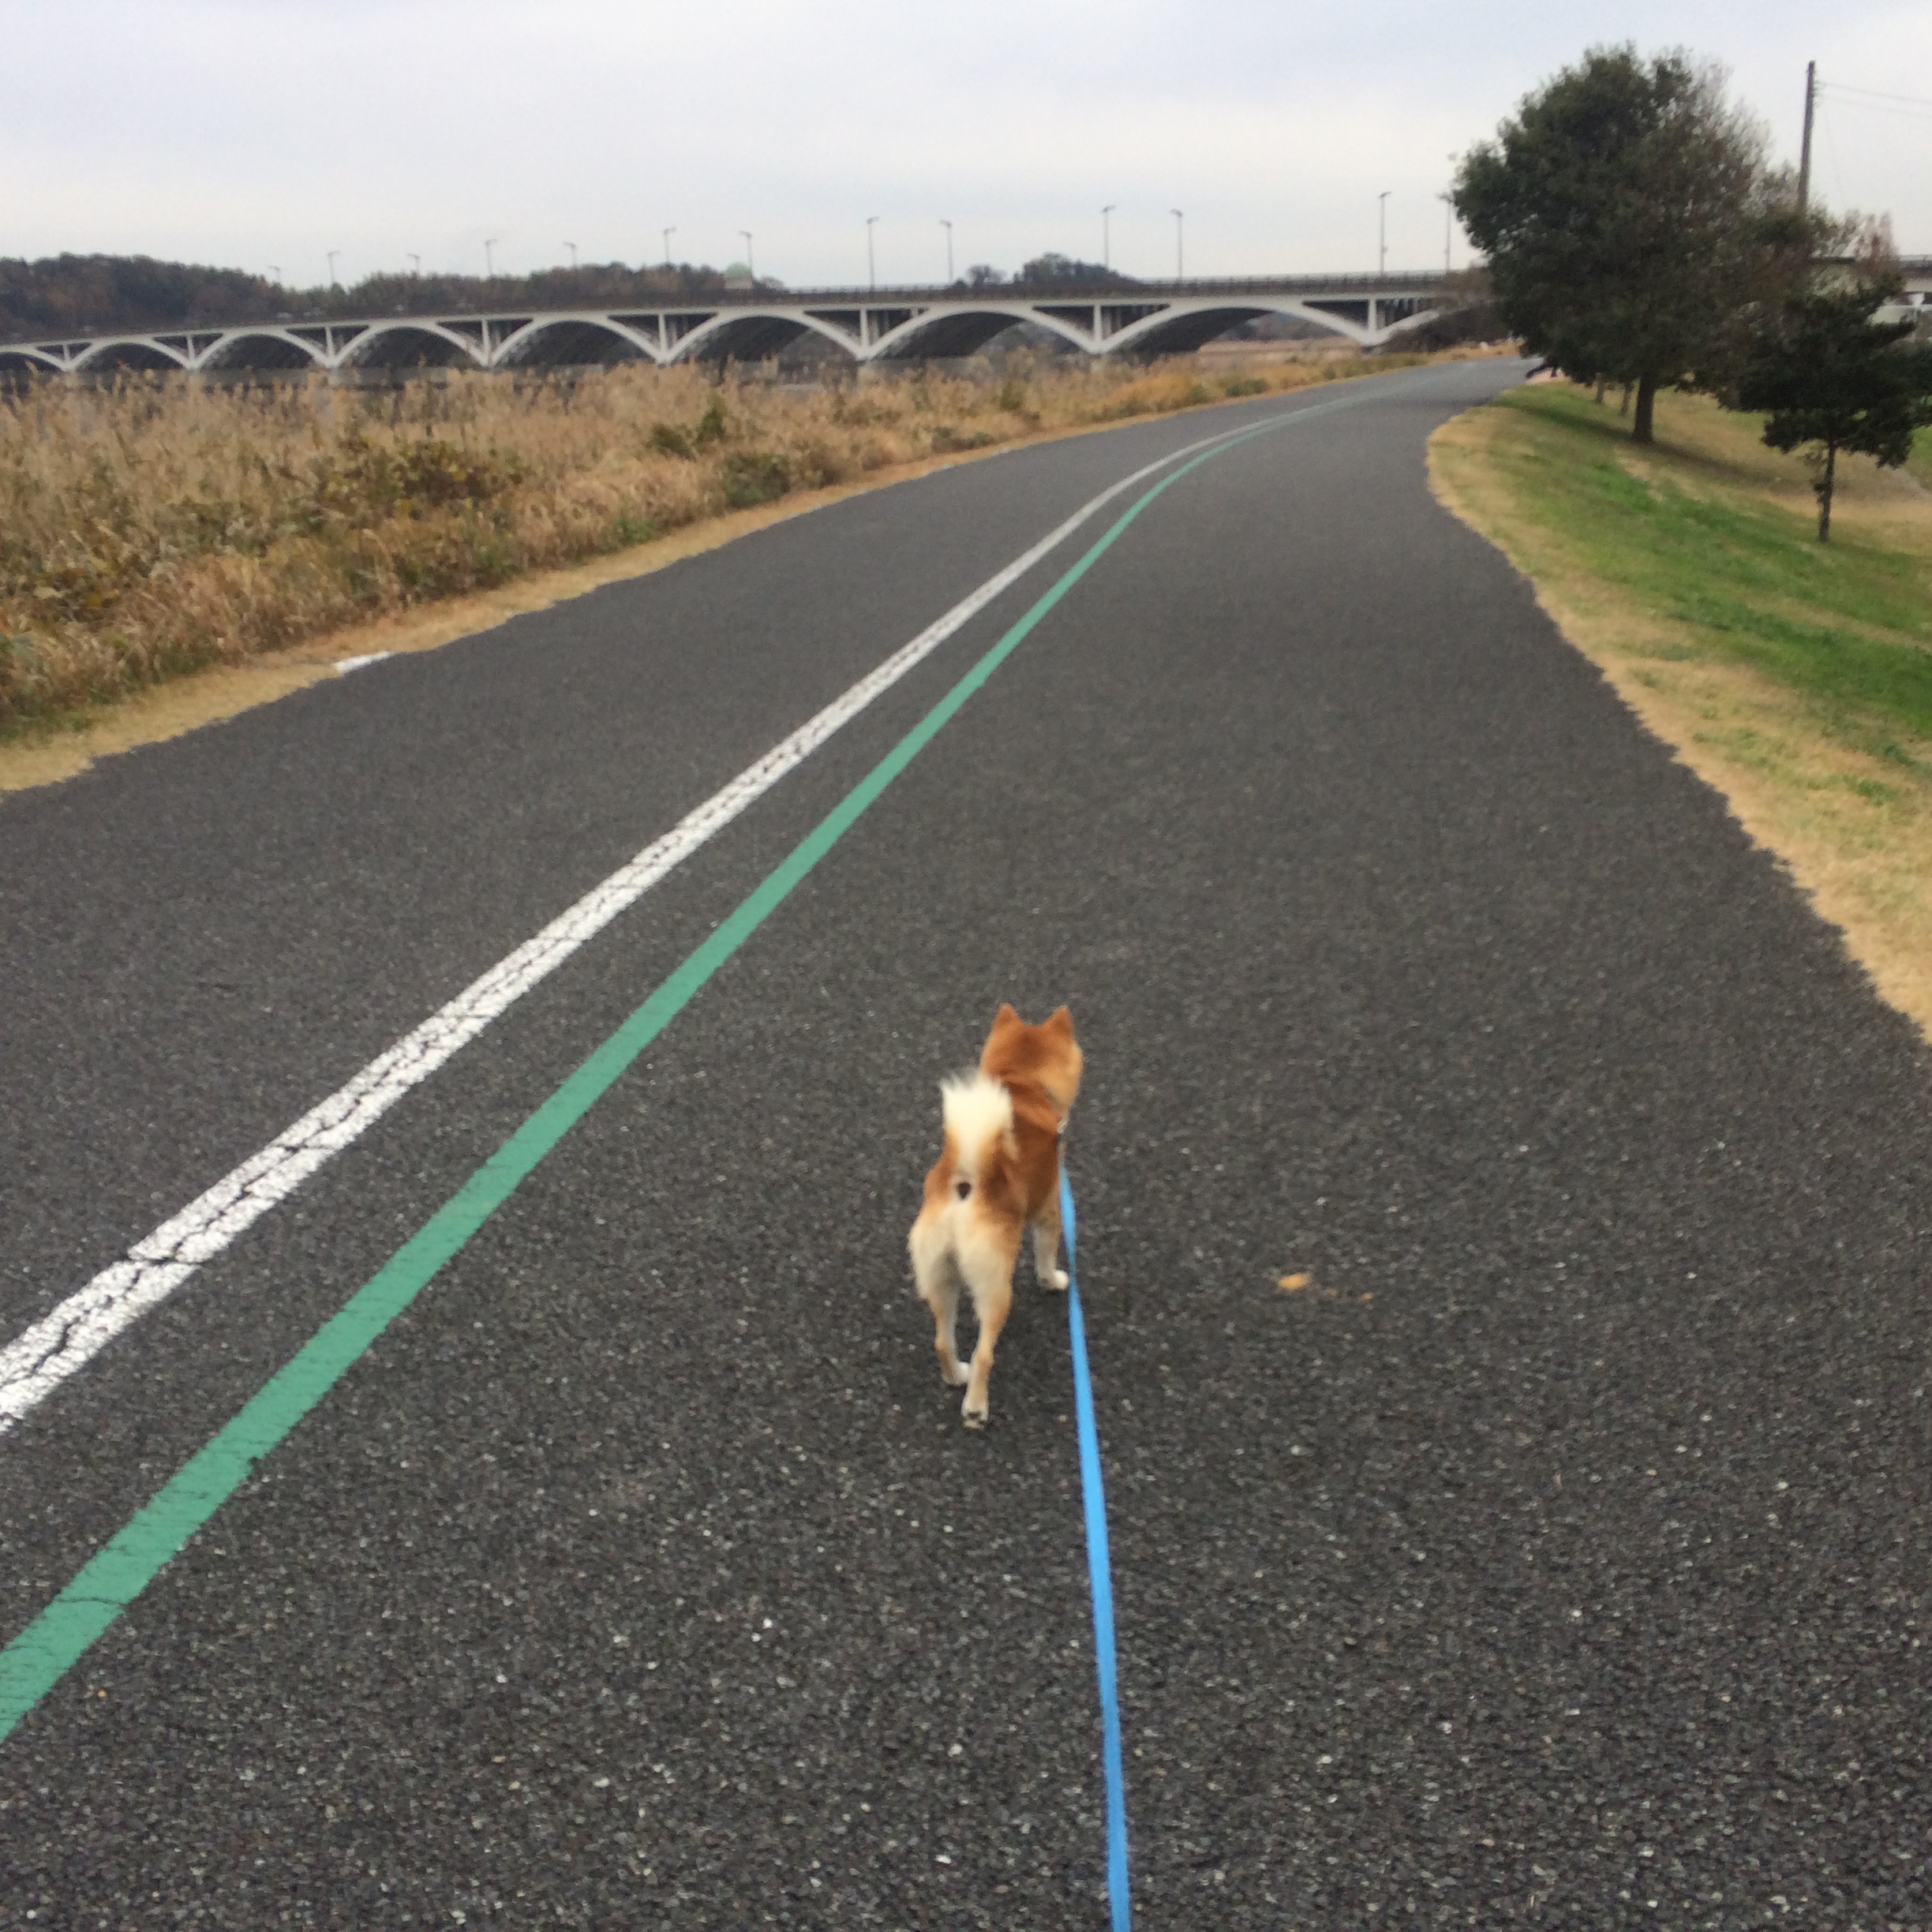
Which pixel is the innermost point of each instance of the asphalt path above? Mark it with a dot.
(1558, 1556)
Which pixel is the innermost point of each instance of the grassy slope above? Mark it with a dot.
(1794, 677)
(1920, 463)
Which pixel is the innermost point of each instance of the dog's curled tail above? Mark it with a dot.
(979, 1124)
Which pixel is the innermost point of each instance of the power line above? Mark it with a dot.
(1845, 87)
(1907, 106)
(1903, 113)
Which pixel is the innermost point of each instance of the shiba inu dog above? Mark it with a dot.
(998, 1175)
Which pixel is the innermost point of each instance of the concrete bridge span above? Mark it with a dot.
(882, 326)
(870, 326)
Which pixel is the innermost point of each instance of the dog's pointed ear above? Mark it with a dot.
(1006, 1016)
(1061, 1021)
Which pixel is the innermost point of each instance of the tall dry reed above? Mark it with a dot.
(157, 526)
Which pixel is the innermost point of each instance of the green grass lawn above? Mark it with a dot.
(1848, 625)
(1919, 464)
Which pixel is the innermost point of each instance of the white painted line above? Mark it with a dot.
(35, 1364)
(345, 665)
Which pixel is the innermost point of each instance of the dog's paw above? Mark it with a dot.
(972, 1417)
(958, 1375)
(1058, 1278)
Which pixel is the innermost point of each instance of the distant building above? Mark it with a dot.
(738, 276)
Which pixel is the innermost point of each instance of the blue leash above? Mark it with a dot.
(1099, 1576)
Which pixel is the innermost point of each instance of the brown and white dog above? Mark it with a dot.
(998, 1175)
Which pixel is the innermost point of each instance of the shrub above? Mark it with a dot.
(755, 476)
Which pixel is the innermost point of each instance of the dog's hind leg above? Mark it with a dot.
(938, 1287)
(1046, 1245)
(988, 1270)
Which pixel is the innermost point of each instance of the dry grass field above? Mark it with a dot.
(1794, 677)
(159, 526)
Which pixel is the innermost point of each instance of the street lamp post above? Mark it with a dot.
(1382, 231)
(572, 247)
(489, 260)
(871, 261)
(275, 269)
(667, 233)
(1180, 261)
(948, 227)
(1448, 202)
(750, 264)
(415, 263)
(332, 254)
(1106, 242)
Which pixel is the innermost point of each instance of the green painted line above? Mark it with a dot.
(57, 1639)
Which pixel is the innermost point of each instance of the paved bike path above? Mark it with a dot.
(1558, 1550)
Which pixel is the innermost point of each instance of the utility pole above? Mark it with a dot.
(1804, 151)
(1106, 245)
(1180, 267)
(948, 227)
(1382, 231)
(871, 264)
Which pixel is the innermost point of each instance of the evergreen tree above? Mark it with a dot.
(1830, 377)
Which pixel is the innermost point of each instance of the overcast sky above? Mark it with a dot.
(262, 133)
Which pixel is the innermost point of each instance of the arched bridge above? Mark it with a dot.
(880, 325)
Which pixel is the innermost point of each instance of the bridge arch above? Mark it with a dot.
(965, 331)
(411, 345)
(749, 336)
(129, 352)
(263, 348)
(1182, 333)
(564, 342)
(26, 362)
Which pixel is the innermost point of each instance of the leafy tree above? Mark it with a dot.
(1045, 271)
(77, 294)
(1053, 267)
(83, 295)
(1628, 214)
(1830, 378)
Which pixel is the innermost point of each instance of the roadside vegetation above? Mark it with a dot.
(1794, 677)
(157, 526)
